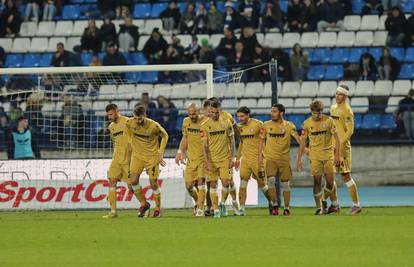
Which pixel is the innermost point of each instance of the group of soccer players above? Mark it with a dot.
(208, 151)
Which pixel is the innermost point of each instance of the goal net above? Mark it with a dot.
(65, 108)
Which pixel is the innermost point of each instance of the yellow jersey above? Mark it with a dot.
(144, 138)
(320, 134)
(344, 122)
(228, 116)
(217, 133)
(278, 139)
(191, 130)
(120, 139)
(250, 137)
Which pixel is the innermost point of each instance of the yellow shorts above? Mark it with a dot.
(248, 168)
(321, 167)
(150, 165)
(194, 170)
(119, 171)
(346, 162)
(282, 168)
(219, 170)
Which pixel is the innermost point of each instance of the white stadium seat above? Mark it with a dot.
(198, 91)
(86, 105)
(28, 29)
(220, 89)
(352, 23)
(229, 103)
(327, 39)
(327, 102)
(159, 89)
(290, 89)
(140, 23)
(327, 88)
(381, 24)
(122, 105)
(215, 39)
(45, 28)
(64, 28)
(71, 42)
(150, 24)
(380, 38)
(142, 40)
(264, 103)
(382, 88)
(181, 92)
(309, 39)
(185, 39)
(99, 107)
(54, 41)
(359, 104)
(79, 26)
(248, 102)
(127, 91)
(290, 39)
(364, 39)
(401, 87)
(309, 89)
(260, 37)
(345, 39)
(234, 90)
(302, 105)
(392, 104)
(369, 22)
(144, 88)
(267, 89)
(273, 40)
(49, 106)
(39, 44)
(288, 103)
(253, 89)
(21, 45)
(6, 43)
(364, 88)
(178, 103)
(107, 91)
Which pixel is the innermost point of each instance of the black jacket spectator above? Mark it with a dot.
(131, 30)
(260, 56)
(200, 20)
(113, 57)
(294, 14)
(308, 16)
(191, 52)
(239, 57)
(171, 12)
(410, 30)
(367, 67)
(91, 38)
(227, 43)
(207, 54)
(10, 20)
(283, 64)
(331, 11)
(249, 40)
(167, 115)
(214, 20)
(107, 8)
(272, 16)
(108, 32)
(187, 20)
(371, 5)
(388, 66)
(230, 16)
(2, 56)
(395, 25)
(249, 11)
(62, 57)
(154, 47)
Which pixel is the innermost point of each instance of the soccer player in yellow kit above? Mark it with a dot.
(343, 117)
(278, 133)
(250, 152)
(119, 168)
(191, 154)
(320, 130)
(218, 147)
(147, 153)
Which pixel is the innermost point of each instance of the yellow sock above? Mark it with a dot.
(138, 194)
(334, 194)
(353, 192)
(193, 193)
(157, 198)
(214, 198)
(224, 194)
(286, 199)
(233, 192)
(201, 196)
(272, 195)
(318, 200)
(112, 198)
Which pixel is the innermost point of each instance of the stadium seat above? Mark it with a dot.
(31, 60)
(198, 91)
(21, 45)
(283, 6)
(380, 38)
(45, 59)
(157, 8)
(71, 42)
(364, 88)
(142, 11)
(351, 85)
(45, 28)
(288, 103)
(406, 72)
(133, 77)
(371, 121)
(352, 22)
(365, 38)
(79, 26)
(382, 88)
(220, 89)
(376, 52)
(136, 58)
(297, 120)
(150, 24)
(334, 72)
(327, 88)
(388, 122)
(86, 59)
(264, 103)
(48, 106)
(267, 89)
(357, 6)
(253, 89)
(369, 22)
(248, 102)
(289, 39)
(302, 106)
(215, 39)
(140, 23)
(107, 91)
(359, 104)
(409, 54)
(127, 91)
(260, 37)
(321, 55)
(54, 41)
(234, 90)
(6, 43)
(316, 72)
(309, 39)
(381, 23)
(327, 102)
(39, 44)
(309, 89)
(273, 40)
(14, 60)
(122, 105)
(401, 87)
(327, 39)
(63, 28)
(290, 89)
(185, 39)
(392, 104)
(229, 104)
(407, 6)
(28, 29)
(340, 55)
(142, 40)
(149, 77)
(71, 12)
(355, 54)
(398, 53)
(357, 121)
(345, 39)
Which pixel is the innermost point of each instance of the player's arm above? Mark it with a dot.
(238, 156)
(129, 145)
(232, 143)
(349, 126)
(163, 144)
(262, 138)
(302, 143)
(337, 141)
(182, 150)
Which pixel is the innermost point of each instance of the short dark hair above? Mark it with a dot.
(207, 103)
(60, 44)
(344, 86)
(110, 107)
(215, 104)
(140, 110)
(215, 100)
(21, 118)
(316, 105)
(244, 109)
(279, 107)
(145, 93)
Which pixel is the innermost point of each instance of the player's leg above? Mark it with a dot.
(190, 175)
(353, 192)
(329, 171)
(271, 171)
(317, 172)
(153, 171)
(245, 173)
(233, 193)
(136, 168)
(285, 177)
(213, 180)
(114, 175)
(224, 174)
(201, 193)
(209, 206)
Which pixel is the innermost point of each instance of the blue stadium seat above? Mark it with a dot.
(316, 73)
(376, 52)
(14, 60)
(357, 6)
(398, 53)
(157, 9)
(356, 53)
(142, 11)
(45, 59)
(371, 121)
(340, 55)
(407, 6)
(357, 121)
(71, 12)
(283, 6)
(262, 117)
(321, 55)
(406, 72)
(220, 6)
(136, 59)
(409, 54)
(182, 6)
(388, 122)
(31, 60)
(334, 72)
(133, 76)
(149, 77)
(86, 59)
(297, 120)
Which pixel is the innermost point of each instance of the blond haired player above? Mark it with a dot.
(320, 130)
(343, 117)
(218, 143)
(278, 133)
(147, 153)
(119, 168)
(190, 153)
(250, 153)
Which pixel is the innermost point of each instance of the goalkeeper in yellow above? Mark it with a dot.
(343, 117)
(119, 168)
(218, 147)
(191, 154)
(147, 153)
(320, 130)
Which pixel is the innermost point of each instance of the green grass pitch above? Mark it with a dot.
(376, 237)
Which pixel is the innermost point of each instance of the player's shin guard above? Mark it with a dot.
(214, 198)
(243, 193)
(157, 198)
(201, 196)
(224, 194)
(138, 194)
(318, 200)
(271, 183)
(193, 193)
(286, 193)
(353, 192)
(112, 198)
(326, 193)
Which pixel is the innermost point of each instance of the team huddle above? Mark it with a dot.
(208, 151)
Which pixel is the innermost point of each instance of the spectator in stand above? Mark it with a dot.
(230, 16)
(410, 29)
(91, 38)
(14, 113)
(108, 32)
(239, 59)
(371, 5)
(176, 44)
(95, 79)
(294, 15)
(260, 57)
(4, 120)
(128, 36)
(214, 20)
(167, 115)
(272, 16)
(171, 17)
(367, 68)
(32, 10)
(170, 56)
(124, 8)
(207, 54)
(405, 113)
(331, 15)
(308, 16)
(72, 122)
(22, 142)
(388, 66)
(113, 57)
(249, 11)
(200, 20)
(299, 63)
(34, 112)
(187, 20)
(154, 47)
(49, 10)
(249, 40)
(225, 48)
(191, 52)
(395, 25)
(10, 20)
(150, 107)
(107, 8)
(62, 57)
(2, 56)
